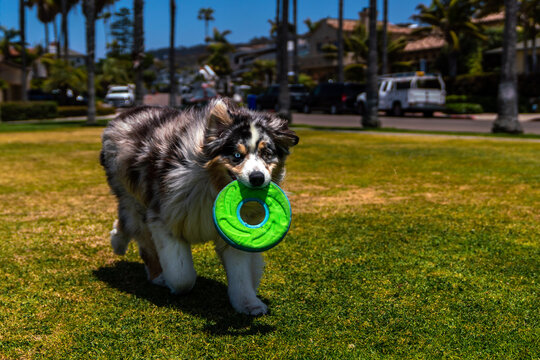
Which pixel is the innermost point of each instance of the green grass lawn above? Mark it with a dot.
(401, 247)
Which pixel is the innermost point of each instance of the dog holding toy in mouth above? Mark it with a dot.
(166, 169)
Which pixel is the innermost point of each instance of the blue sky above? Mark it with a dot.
(246, 19)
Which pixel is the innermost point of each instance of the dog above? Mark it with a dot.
(166, 168)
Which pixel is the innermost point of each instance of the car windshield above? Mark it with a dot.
(118, 91)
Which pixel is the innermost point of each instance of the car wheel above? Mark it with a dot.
(396, 109)
(428, 113)
(306, 109)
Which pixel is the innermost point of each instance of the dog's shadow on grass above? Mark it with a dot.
(208, 299)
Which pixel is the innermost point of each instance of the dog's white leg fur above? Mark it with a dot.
(175, 259)
(119, 240)
(244, 271)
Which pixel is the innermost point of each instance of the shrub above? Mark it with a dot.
(66, 111)
(463, 108)
(19, 110)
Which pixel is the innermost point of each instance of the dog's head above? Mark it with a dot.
(245, 145)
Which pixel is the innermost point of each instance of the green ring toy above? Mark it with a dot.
(254, 238)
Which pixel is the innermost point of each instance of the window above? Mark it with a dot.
(403, 85)
(428, 84)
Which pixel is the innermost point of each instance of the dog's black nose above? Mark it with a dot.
(256, 178)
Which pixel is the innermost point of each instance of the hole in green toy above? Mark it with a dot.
(252, 213)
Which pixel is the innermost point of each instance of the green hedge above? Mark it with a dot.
(463, 108)
(19, 110)
(66, 111)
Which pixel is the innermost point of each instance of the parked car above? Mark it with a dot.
(334, 98)
(413, 92)
(199, 97)
(120, 95)
(270, 98)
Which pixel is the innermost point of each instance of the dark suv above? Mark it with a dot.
(270, 98)
(334, 98)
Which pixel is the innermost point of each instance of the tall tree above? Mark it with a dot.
(22, 30)
(295, 39)
(65, 47)
(46, 12)
(370, 118)
(284, 100)
(451, 19)
(121, 33)
(340, 42)
(206, 14)
(90, 15)
(384, 69)
(138, 50)
(507, 109)
(172, 72)
(277, 39)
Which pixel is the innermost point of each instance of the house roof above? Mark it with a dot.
(426, 43)
(349, 24)
(491, 18)
(519, 46)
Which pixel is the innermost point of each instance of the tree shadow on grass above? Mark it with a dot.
(208, 299)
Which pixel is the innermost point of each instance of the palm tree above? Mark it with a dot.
(138, 49)
(340, 42)
(284, 100)
(206, 14)
(172, 76)
(8, 40)
(295, 37)
(507, 112)
(46, 12)
(22, 29)
(384, 68)
(89, 9)
(312, 26)
(370, 118)
(449, 19)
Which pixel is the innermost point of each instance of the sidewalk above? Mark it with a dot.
(526, 117)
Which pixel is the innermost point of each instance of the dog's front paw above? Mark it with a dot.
(253, 307)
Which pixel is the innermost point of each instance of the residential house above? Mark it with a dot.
(11, 73)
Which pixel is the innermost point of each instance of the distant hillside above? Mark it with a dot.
(191, 56)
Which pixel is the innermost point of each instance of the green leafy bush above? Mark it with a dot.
(19, 110)
(463, 108)
(66, 111)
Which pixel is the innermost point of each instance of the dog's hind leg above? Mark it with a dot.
(175, 259)
(244, 271)
(119, 239)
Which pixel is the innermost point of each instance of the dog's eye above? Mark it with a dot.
(237, 156)
(267, 153)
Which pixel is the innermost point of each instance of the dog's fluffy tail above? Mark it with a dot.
(119, 240)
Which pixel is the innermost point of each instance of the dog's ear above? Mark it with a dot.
(287, 138)
(218, 115)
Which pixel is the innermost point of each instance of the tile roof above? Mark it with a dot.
(348, 25)
(427, 43)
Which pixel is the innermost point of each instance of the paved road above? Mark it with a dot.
(482, 125)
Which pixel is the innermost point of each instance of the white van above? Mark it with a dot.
(408, 92)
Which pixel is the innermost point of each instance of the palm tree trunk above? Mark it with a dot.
(22, 28)
(46, 36)
(65, 30)
(90, 50)
(206, 21)
(371, 117)
(138, 50)
(284, 100)
(452, 63)
(384, 69)
(525, 52)
(340, 42)
(56, 38)
(295, 49)
(278, 43)
(534, 58)
(507, 114)
(172, 77)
